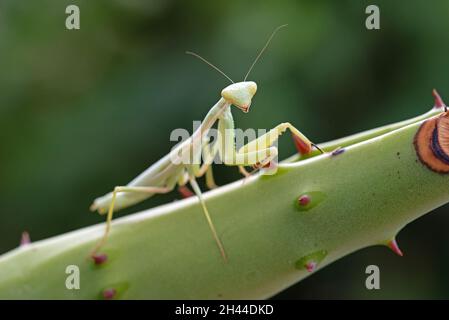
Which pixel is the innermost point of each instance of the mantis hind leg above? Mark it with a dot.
(118, 189)
(188, 175)
(197, 190)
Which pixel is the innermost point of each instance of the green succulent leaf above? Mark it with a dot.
(360, 196)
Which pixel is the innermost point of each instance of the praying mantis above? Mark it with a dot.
(172, 169)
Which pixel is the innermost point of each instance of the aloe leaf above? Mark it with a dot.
(276, 229)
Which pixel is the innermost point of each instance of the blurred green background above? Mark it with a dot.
(82, 111)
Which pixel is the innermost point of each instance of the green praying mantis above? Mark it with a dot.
(183, 164)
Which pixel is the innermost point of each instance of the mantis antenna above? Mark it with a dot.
(263, 49)
(208, 63)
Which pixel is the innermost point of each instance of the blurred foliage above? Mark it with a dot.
(82, 111)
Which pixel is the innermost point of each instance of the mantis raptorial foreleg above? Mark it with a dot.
(269, 138)
(258, 152)
(118, 189)
(226, 145)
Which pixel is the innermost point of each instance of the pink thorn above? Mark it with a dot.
(304, 200)
(393, 245)
(185, 192)
(311, 266)
(439, 103)
(25, 238)
(100, 258)
(109, 293)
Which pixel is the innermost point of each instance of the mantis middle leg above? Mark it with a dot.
(195, 170)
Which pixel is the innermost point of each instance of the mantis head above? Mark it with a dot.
(240, 94)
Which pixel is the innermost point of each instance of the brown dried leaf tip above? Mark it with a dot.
(432, 143)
